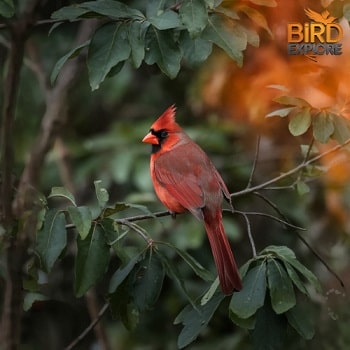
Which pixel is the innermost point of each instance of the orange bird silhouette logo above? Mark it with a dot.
(323, 17)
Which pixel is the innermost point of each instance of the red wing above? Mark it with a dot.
(179, 180)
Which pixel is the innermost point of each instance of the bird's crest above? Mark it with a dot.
(167, 120)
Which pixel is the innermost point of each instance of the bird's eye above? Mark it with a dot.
(163, 134)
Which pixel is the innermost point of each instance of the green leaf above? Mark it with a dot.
(196, 50)
(30, 280)
(341, 129)
(245, 323)
(165, 20)
(246, 302)
(91, 261)
(136, 37)
(60, 63)
(81, 218)
(211, 291)
(114, 238)
(252, 36)
(118, 207)
(270, 329)
(109, 46)
(302, 188)
(163, 50)
(232, 40)
(313, 280)
(149, 281)
(113, 9)
(229, 13)
(281, 251)
(301, 321)
(300, 122)
(7, 8)
(282, 112)
(322, 125)
(69, 13)
(293, 275)
(130, 316)
(288, 257)
(122, 273)
(32, 298)
(292, 101)
(101, 193)
(212, 4)
(62, 192)
(197, 268)
(51, 239)
(122, 307)
(196, 319)
(281, 288)
(174, 274)
(194, 16)
(155, 7)
(244, 268)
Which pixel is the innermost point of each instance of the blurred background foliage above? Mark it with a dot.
(222, 107)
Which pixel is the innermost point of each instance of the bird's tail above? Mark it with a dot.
(229, 277)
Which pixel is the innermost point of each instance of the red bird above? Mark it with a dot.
(185, 179)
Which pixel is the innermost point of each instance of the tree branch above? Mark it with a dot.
(89, 328)
(16, 245)
(52, 122)
(293, 171)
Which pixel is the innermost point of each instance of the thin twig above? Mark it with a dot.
(275, 218)
(137, 229)
(93, 309)
(133, 218)
(88, 329)
(145, 216)
(312, 250)
(319, 257)
(249, 231)
(275, 208)
(256, 157)
(290, 172)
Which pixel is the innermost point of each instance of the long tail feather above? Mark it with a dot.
(222, 253)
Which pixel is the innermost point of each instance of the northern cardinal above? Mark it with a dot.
(185, 179)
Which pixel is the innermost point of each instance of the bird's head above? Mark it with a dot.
(163, 129)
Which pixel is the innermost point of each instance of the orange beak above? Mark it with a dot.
(150, 138)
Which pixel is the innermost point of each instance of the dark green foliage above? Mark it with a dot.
(268, 315)
(266, 305)
(51, 239)
(195, 318)
(163, 35)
